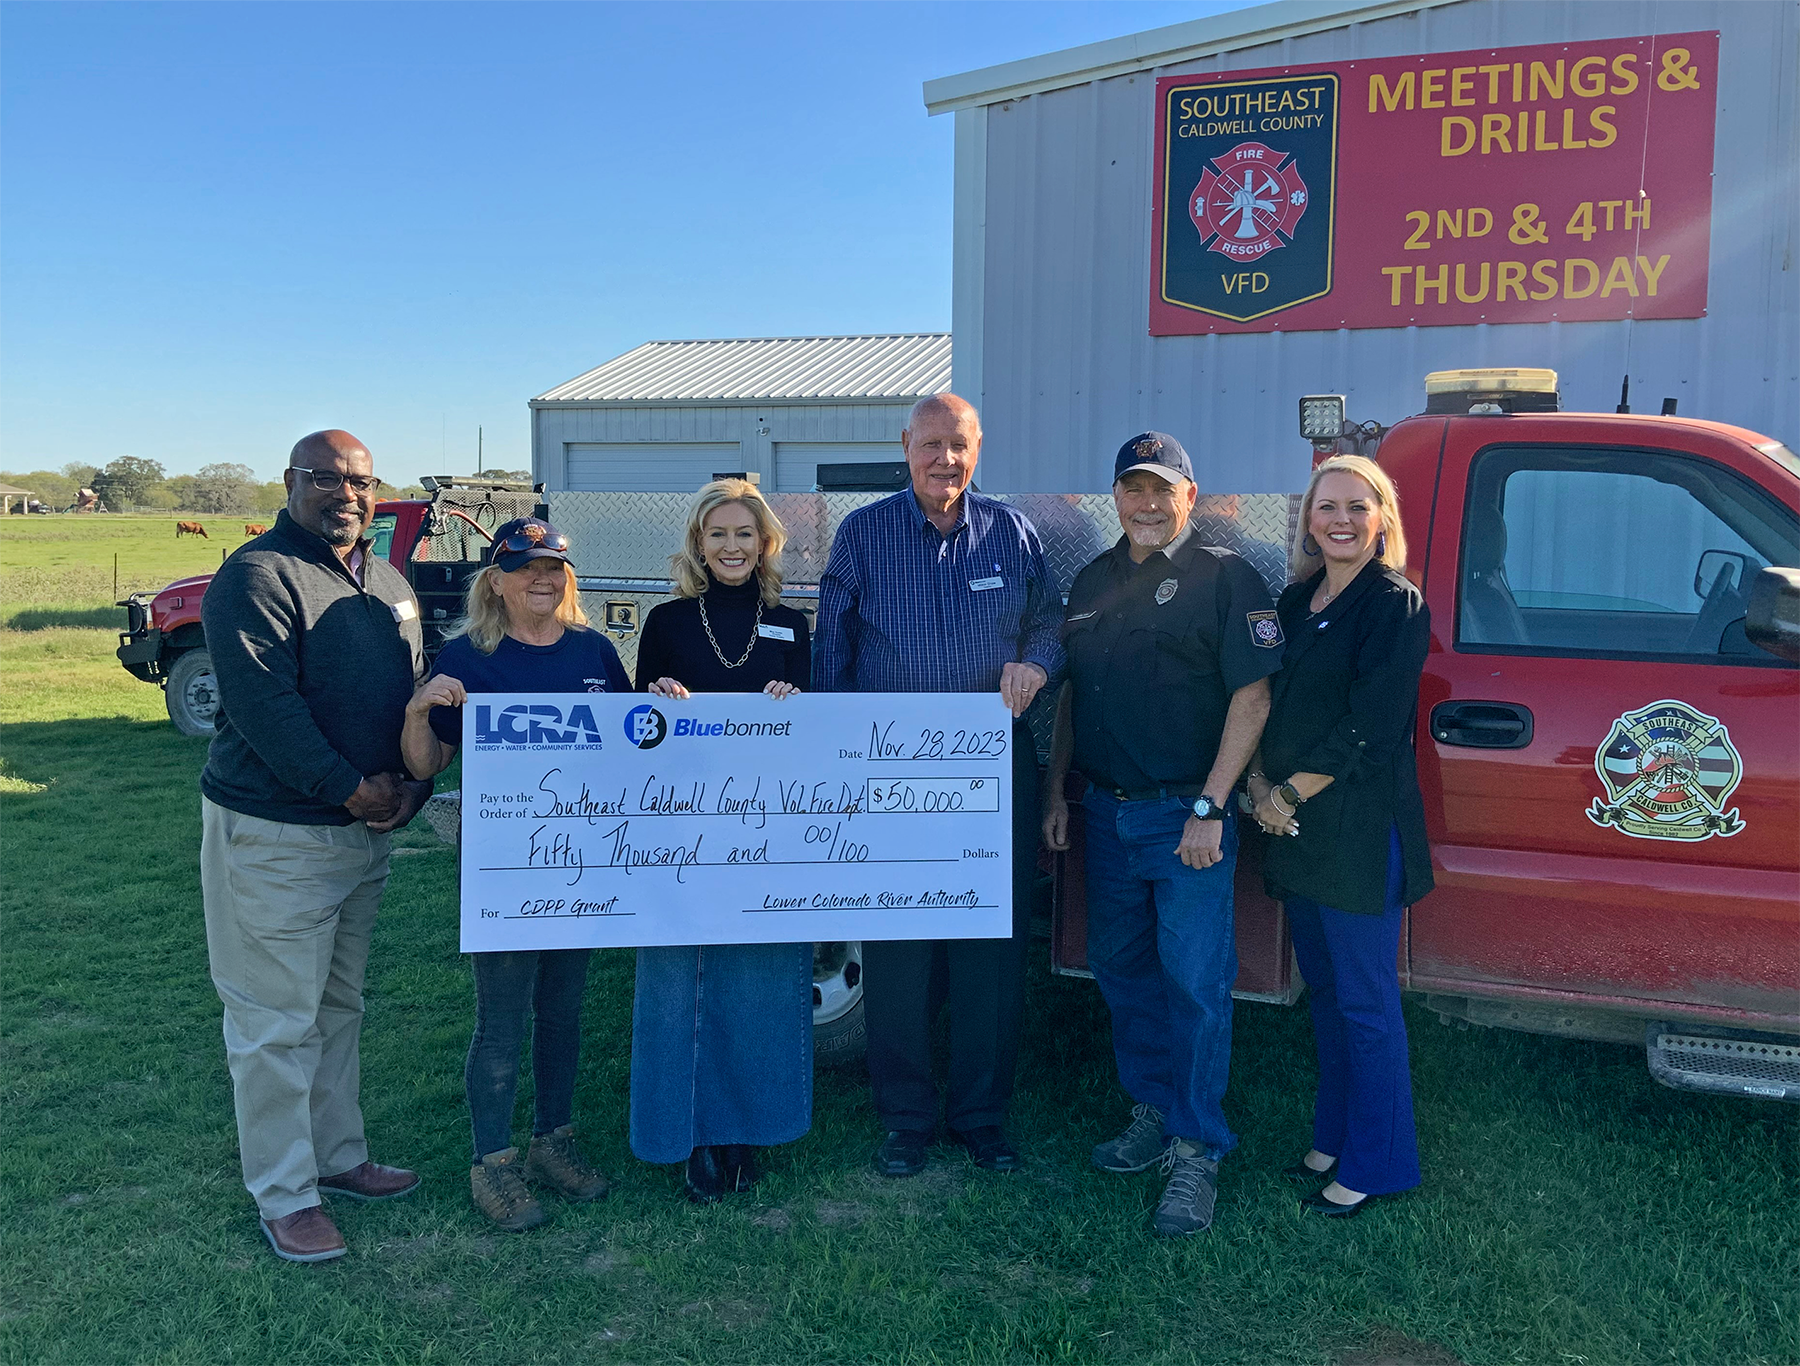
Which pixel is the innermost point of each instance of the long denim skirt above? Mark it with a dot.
(721, 1047)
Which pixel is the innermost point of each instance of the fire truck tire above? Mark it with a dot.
(191, 693)
(838, 1030)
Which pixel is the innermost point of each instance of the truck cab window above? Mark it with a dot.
(1591, 551)
(381, 534)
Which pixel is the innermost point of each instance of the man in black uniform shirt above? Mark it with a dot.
(1170, 647)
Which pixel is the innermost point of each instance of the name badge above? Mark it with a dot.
(768, 632)
(403, 611)
(982, 585)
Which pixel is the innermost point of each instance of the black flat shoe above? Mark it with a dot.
(989, 1149)
(707, 1178)
(902, 1153)
(1301, 1174)
(740, 1166)
(1330, 1209)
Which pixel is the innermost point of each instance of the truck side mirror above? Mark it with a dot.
(1772, 621)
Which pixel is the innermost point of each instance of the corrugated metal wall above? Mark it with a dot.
(568, 440)
(1053, 263)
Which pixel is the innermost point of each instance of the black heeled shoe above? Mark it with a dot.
(1331, 1209)
(740, 1166)
(708, 1179)
(1302, 1175)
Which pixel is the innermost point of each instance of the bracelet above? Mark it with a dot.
(1289, 793)
(1275, 802)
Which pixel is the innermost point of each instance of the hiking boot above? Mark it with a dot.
(1187, 1201)
(554, 1161)
(1139, 1147)
(498, 1189)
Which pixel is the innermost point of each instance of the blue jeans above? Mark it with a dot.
(550, 984)
(1162, 947)
(1364, 1113)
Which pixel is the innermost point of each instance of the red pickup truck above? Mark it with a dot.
(1608, 731)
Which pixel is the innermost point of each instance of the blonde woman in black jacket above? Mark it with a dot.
(1336, 781)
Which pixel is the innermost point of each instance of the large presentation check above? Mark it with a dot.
(597, 819)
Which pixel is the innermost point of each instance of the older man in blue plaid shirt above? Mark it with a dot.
(937, 589)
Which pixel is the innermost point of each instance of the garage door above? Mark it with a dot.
(648, 466)
(797, 462)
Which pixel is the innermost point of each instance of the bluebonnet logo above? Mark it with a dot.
(645, 727)
(522, 724)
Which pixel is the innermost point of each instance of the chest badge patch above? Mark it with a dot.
(1265, 629)
(1667, 770)
(1166, 590)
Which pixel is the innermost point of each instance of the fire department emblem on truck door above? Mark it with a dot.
(1668, 771)
(1247, 197)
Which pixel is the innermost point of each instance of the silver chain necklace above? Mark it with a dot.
(712, 640)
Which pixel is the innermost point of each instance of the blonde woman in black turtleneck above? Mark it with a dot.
(716, 1074)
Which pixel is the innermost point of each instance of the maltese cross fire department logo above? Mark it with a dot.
(1248, 202)
(1668, 770)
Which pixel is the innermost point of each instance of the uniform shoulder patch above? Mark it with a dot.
(1265, 629)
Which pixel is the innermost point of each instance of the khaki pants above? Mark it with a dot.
(289, 911)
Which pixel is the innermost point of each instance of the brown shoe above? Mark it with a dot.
(497, 1187)
(306, 1235)
(370, 1181)
(554, 1161)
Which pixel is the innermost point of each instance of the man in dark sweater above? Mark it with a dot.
(316, 647)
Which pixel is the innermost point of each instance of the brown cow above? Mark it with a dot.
(254, 528)
(190, 529)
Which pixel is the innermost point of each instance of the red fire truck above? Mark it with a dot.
(1608, 731)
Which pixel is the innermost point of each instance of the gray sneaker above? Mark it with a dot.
(1139, 1147)
(1187, 1201)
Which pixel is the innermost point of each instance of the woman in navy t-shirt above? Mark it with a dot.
(524, 632)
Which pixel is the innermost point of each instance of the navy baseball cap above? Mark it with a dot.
(525, 539)
(1157, 452)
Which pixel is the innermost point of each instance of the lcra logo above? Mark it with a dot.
(1249, 191)
(520, 724)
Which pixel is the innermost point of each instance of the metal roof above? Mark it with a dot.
(1183, 42)
(896, 366)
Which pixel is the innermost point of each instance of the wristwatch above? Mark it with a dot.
(1205, 809)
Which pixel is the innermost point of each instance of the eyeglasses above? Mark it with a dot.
(330, 481)
(534, 538)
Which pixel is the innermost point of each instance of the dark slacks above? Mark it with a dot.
(1364, 1112)
(549, 984)
(906, 983)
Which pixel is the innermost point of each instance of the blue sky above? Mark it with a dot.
(222, 226)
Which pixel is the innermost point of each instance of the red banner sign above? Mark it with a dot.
(1567, 182)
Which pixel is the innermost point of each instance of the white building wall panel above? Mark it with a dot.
(602, 446)
(1053, 265)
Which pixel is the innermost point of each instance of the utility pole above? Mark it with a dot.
(478, 456)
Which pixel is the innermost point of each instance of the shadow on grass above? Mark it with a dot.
(47, 618)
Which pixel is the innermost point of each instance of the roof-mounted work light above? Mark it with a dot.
(1322, 417)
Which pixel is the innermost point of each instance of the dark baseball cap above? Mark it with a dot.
(1157, 452)
(525, 539)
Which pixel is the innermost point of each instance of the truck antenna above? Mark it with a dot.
(1624, 396)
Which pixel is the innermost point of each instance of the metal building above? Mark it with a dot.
(1055, 160)
(668, 415)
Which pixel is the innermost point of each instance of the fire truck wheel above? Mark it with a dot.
(838, 1033)
(191, 694)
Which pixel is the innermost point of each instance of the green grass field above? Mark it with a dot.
(1573, 1211)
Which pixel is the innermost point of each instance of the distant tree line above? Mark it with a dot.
(223, 489)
